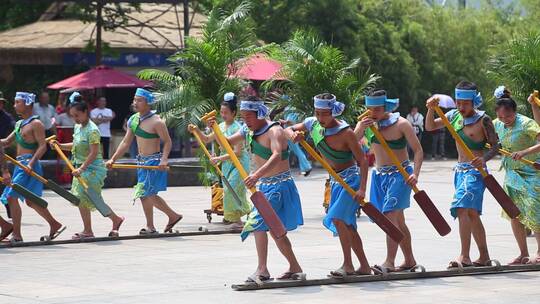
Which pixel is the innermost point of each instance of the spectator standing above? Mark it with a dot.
(417, 121)
(7, 123)
(46, 113)
(102, 117)
(438, 140)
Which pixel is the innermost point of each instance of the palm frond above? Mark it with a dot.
(239, 14)
(517, 66)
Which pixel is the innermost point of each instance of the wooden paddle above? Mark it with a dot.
(259, 200)
(420, 196)
(378, 218)
(491, 183)
(218, 170)
(47, 182)
(96, 199)
(136, 166)
(130, 166)
(27, 194)
(535, 165)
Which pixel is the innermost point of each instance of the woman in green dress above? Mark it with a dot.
(520, 135)
(88, 163)
(232, 209)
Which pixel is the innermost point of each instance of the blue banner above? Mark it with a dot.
(125, 59)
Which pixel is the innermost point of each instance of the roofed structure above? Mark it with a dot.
(156, 28)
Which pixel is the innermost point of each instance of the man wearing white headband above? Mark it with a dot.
(268, 145)
(337, 143)
(390, 192)
(476, 129)
(149, 130)
(29, 134)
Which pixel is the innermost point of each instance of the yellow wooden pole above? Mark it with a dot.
(206, 152)
(26, 169)
(508, 153)
(66, 160)
(225, 144)
(458, 139)
(389, 151)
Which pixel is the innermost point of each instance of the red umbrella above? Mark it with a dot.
(100, 77)
(256, 67)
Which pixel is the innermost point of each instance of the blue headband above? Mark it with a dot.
(146, 94)
(73, 96)
(255, 106)
(499, 92)
(390, 105)
(329, 104)
(28, 98)
(472, 95)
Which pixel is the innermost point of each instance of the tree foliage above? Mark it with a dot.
(313, 67)
(517, 66)
(14, 13)
(202, 70)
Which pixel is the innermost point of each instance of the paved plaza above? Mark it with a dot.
(201, 269)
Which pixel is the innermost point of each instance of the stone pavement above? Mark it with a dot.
(200, 269)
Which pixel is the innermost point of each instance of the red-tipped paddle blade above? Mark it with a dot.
(432, 213)
(502, 198)
(268, 214)
(383, 222)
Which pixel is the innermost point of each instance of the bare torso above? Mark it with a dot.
(265, 140)
(338, 143)
(27, 133)
(476, 133)
(148, 146)
(393, 132)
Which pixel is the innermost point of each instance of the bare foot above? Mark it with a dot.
(406, 266)
(54, 228)
(173, 222)
(117, 222)
(342, 272)
(390, 266)
(464, 260)
(261, 272)
(521, 259)
(6, 231)
(481, 262)
(363, 270)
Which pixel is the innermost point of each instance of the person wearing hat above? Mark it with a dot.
(7, 123)
(390, 192)
(337, 143)
(29, 134)
(476, 129)
(233, 211)
(149, 130)
(268, 144)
